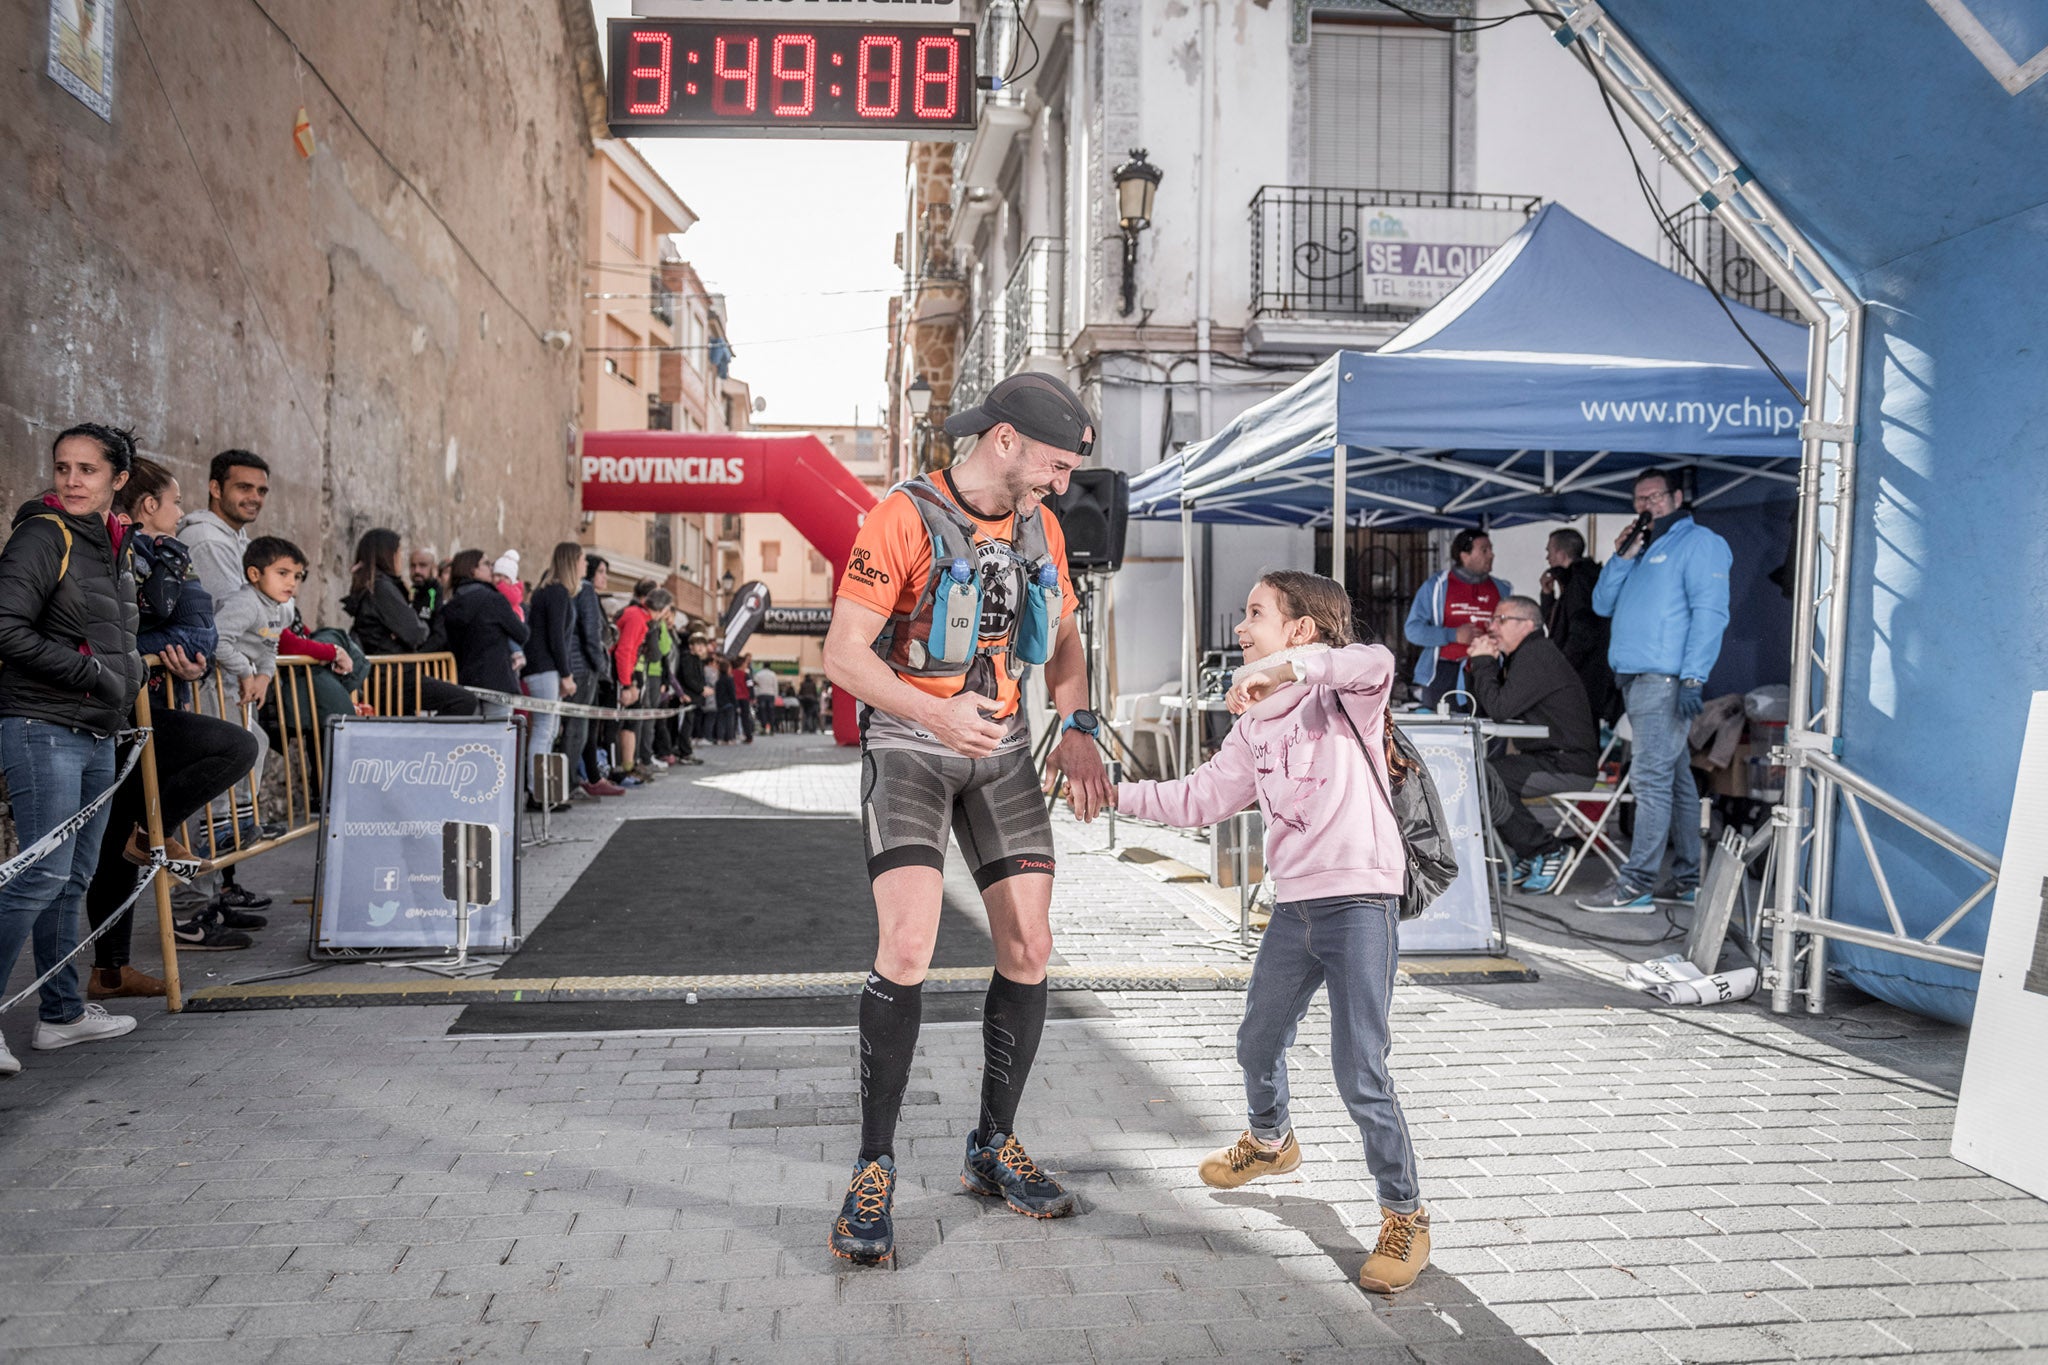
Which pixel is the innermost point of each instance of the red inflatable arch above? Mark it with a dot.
(791, 473)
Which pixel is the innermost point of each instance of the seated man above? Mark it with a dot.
(1515, 674)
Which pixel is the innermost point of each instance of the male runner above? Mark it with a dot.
(944, 744)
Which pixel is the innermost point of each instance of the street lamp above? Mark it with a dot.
(1137, 181)
(920, 395)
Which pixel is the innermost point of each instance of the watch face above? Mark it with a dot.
(1084, 719)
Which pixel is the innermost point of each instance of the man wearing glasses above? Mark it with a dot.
(1516, 673)
(1666, 590)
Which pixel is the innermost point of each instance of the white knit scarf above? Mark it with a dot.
(1285, 656)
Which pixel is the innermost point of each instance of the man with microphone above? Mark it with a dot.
(1666, 590)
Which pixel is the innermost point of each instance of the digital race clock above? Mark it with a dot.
(699, 77)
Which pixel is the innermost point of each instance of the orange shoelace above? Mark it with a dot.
(1012, 1155)
(1397, 1235)
(870, 1192)
(1244, 1153)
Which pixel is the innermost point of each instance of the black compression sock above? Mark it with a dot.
(1012, 1021)
(889, 1016)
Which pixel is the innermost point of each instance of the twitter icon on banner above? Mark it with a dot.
(383, 912)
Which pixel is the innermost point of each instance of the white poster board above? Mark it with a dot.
(1462, 918)
(1415, 256)
(2003, 1110)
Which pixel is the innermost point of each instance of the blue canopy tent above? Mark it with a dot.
(1536, 390)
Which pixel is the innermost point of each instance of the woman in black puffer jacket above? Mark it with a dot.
(386, 624)
(68, 674)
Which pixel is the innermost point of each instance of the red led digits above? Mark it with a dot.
(725, 75)
(658, 73)
(867, 77)
(805, 74)
(940, 77)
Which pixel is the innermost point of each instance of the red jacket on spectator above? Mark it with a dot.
(632, 636)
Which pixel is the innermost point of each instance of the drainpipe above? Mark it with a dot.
(1080, 193)
(1205, 195)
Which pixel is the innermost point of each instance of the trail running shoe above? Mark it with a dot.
(864, 1232)
(1619, 898)
(1541, 872)
(1001, 1169)
(205, 933)
(1246, 1160)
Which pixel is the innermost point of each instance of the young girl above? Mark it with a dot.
(1332, 845)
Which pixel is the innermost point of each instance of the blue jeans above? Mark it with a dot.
(1350, 942)
(544, 723)
(52, 772)
(1660, 775)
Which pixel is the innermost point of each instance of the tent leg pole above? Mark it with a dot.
(1190, 642)
(1338, 513)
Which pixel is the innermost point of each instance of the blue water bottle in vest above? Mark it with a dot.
(1041, 614)
(956, 617)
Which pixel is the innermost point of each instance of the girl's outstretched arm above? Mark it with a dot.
(1219, 789)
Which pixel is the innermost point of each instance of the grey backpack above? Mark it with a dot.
(1425, 833)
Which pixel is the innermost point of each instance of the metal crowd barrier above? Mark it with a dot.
(384, 690)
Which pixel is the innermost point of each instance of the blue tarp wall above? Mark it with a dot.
(1905, 161)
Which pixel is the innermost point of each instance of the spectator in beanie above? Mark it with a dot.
(69, 672)
(386, 623)
(505, 578)
(483, 631)
(549, 648)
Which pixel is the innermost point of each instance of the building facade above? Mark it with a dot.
(1282, 136)
(364, 271)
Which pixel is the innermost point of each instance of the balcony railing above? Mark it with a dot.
(1309, 243)
(979, 357)
(660, 416)
(661, 301)
(1722, 264)
(1033, 310)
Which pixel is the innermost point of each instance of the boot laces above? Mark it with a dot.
(870, 1192)
(1013, 1156)
(1244, 1153)
(1397, 1235)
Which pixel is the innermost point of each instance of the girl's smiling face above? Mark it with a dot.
(1266, 628)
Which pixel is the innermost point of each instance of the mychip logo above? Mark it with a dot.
(471, 773)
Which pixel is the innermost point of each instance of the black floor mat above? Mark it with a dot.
(696, 897)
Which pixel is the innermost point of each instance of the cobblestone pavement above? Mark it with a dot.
(1610, 1183)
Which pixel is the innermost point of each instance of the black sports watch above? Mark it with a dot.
(1084, 720)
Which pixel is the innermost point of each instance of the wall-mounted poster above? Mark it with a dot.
(82, 52)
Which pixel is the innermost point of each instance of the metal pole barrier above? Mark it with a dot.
(153, 825)
(466, 851)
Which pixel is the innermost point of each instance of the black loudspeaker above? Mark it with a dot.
(1094, 512)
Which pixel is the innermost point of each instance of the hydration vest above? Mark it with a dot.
(940, 637)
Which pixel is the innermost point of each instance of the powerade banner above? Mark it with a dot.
(1461, 920)
(391, 786)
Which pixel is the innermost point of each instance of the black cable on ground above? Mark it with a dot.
(1673, 930)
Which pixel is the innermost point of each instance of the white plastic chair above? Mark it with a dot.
(1160, 753)
(1591, 831)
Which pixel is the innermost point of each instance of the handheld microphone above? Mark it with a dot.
(1636, 531)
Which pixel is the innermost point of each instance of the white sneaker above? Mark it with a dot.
(91, 1027)
(9, 1064)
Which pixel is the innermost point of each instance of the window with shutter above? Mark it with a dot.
(622, 220)
(622, 351)
(771, 555)
(1379, 107)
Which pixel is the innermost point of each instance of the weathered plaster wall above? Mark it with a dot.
(183, 271)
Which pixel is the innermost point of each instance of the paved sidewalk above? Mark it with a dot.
(1609, 1182)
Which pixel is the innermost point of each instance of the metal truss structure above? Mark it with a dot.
(1817, 782)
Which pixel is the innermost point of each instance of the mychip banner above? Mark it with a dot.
(391, 786)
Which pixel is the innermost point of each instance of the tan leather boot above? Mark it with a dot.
(1245, 1160)
(1400, 1255)
(102, 984)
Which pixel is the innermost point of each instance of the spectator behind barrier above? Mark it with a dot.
(582, 739)
(69, 672)
(386, 623)
(550, 654)
(743, 695)
(1450, 610)
(505, 578)
(1570, 622)
(198, 757)
(237, 483)
(807, 699)
(1517, 675)
(632, 658)
(1667, 593)
(424, 568)
(693, 683)
(767, 687)
(482, 630)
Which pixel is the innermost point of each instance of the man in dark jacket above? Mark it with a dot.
(1578, 631)
(482, 630)
(1517, 675)
(690, 684)
(590, 664)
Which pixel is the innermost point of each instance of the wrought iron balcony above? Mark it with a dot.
(1033, 308)
(660, 416)
(660, 301)
(1718, 261)
(1309, 247)
(980, 354)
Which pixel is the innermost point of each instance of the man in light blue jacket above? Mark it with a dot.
(1667, 593)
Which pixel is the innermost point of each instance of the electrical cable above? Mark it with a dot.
(1444, 23)
(1025, 29)
(1672, 930)
(1667, 227)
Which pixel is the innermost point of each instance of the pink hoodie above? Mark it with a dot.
(1329, 830)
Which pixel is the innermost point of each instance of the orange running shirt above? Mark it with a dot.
(892, 559)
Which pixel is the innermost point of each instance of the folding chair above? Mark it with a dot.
(1590, 831)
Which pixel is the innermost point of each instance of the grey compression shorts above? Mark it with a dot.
(908, 799)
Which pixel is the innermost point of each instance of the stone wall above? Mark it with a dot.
(370, 318)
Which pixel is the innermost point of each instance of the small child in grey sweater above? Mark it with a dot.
(255, 616)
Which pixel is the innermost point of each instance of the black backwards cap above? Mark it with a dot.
(1038, 405)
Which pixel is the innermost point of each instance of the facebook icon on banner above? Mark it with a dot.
(386, 881)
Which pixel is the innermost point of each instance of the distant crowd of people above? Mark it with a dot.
(109, 568)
